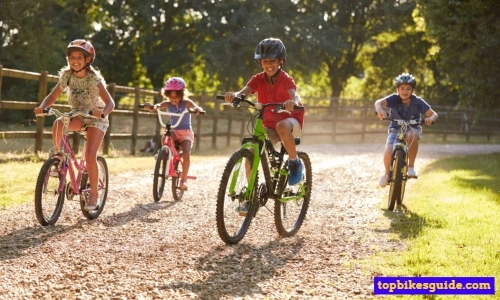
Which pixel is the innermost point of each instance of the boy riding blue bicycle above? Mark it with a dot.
(406, 106)
(274, 85)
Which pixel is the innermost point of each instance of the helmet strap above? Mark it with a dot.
(272, 78)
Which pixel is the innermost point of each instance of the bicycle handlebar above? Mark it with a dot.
(171, 114)
(57, 113)
(257, 105)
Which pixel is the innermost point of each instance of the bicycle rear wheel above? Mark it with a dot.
(396, 179)
(102, 190)
(177, 193)
(290, 214)
(160, 174)
(232, 226)
(48, 199)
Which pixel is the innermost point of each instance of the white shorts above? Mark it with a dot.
(273, 136)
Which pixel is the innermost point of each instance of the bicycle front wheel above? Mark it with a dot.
(291, 208)
(160, 174)
(102, 190)
(49, 199)
(396, 179)
(236, 201)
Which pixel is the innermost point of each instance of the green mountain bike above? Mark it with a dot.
(240, 187)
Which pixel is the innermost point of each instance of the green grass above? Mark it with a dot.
(18, 178)
(452, 224)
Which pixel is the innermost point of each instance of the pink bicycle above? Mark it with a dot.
(169, 157)
(52, 185)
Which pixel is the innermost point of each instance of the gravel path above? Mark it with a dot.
(138, 249)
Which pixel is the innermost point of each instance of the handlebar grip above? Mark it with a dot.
(220, 97)
(298, 107)
(141, 105)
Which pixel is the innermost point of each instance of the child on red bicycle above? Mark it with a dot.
(274, 85)
(86, 90)
(406, 106)
(175, 91)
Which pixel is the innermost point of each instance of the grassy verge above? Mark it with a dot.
(452, 224)
(18, 178)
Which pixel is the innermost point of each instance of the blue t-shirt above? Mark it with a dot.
(186, 119)
(412, 111)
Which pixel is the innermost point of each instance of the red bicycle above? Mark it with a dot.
(169, 157)
(51, 186)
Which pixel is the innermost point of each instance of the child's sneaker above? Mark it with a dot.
(295, 174)
(242, 209)
(384, 180)
(411, 173)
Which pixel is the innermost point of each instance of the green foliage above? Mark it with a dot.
(468, 35)
(335, 48)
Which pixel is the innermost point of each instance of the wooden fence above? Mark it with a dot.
(324, 123)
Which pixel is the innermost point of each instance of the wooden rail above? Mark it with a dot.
(323, 122)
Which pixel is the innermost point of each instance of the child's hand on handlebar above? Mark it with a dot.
(381, 114)
(229, 96)
(289, 105)
(38, 110)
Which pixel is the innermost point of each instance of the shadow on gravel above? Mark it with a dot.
(140, 212)
(236, 271)
(408, 224)
(13, 244)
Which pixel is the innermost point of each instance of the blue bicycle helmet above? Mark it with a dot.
(406, 78)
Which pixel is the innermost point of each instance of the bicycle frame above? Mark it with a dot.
(69, 161)
(259, 145)
(167, 141)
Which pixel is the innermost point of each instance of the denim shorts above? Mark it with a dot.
(393, 133)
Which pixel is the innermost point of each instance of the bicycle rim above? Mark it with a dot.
(232, 226)
(289, 215)
(396, 179)
(48, 199)
(102, 190)
(159, 176)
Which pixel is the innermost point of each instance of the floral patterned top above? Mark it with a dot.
(83, 93)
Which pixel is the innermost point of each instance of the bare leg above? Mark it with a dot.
(387, 158)
(284, 130)
(186, 148)
(412, 139)
(57, 130)
(94, 140)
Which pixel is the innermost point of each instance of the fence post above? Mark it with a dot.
(135, 120)
(446, 120)
(214, 126)
(107, 135)
(198, 125)
(158, 136)
(42, 92)
(334, 107)
(364, 120)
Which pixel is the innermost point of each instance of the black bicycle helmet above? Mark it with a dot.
(406, 78)
(270, 48)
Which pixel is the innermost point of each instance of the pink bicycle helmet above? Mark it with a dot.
(82, 45)
(175, 84)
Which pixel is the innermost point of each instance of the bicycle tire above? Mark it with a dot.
(396, 179)
(48, 200)
(231, 226)
(103, 190)
(159, 176)
(289, 216)
(177, 193)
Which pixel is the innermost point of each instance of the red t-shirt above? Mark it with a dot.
(278, 93)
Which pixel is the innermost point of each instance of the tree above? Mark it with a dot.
(468, 35)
